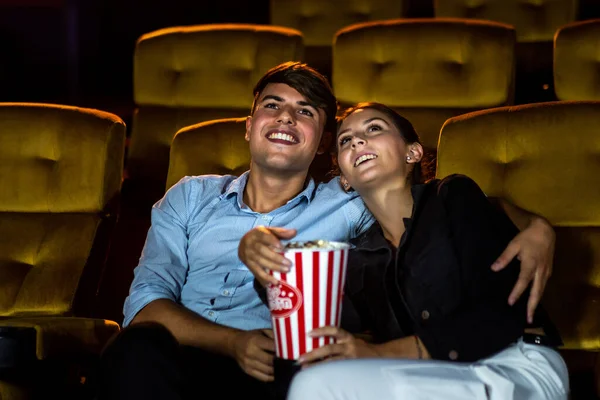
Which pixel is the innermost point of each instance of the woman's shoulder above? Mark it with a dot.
(455, 185)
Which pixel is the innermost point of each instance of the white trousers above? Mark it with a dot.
(520, 372)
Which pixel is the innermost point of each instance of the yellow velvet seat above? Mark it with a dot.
(535, 22)
(544, 158)
(320, 20)
(60, 173)
(186, 75)
(427, 69)
(212, 147)
(577, 61)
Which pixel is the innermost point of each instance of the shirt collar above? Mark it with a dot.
(238, 184)
(373, 239)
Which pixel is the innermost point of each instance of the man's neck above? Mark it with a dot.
(266, 192)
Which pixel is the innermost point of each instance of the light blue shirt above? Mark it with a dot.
(191, 251)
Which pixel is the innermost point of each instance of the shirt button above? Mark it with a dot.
(225, 292)
(425, 314)
(453, 355)
(211, 313)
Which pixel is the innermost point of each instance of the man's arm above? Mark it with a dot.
(157, 285)
(188, 327)
(534, 247)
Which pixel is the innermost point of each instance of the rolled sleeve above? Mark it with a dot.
(163, 265)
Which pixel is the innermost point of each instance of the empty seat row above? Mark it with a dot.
(429, 69)
(534, 21)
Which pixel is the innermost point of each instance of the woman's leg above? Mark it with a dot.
(537, 372)
(518, 372)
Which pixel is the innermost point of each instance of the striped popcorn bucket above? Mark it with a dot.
(307, 297)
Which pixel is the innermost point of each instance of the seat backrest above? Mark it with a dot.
(212, 147)
(544, 158)
(534, 21)
(60, 173)
(219, 147)
(319, 20)
(426, 64)
(186, 75)
(576, 72)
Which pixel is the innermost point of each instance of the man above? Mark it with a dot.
(193, 317)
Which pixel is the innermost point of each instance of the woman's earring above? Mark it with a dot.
(407, 158)
(346, 186)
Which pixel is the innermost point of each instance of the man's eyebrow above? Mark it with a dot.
(306, 104)
(281, 100)
(368, 121)
(271, 97)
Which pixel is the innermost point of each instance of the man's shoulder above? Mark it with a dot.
(218, 183)
(333, 189)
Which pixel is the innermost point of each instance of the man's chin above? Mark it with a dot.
(283, 167)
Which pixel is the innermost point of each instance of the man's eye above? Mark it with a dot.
(306, 112)
(271, 105)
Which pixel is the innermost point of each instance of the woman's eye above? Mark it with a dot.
(306, 112)
(344, 140)
(271, 105)
(373, 128)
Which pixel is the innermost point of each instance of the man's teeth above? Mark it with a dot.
(364, 158)
(282, 136)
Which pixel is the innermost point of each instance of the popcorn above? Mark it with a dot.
(315, 244)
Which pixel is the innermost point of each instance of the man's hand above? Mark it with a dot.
(534, 247)
(259, 250)
(254, 352)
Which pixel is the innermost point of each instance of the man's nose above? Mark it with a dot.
(286, 117)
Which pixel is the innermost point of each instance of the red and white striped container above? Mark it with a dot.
(307, 297)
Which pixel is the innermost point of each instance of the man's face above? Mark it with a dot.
(285, 131)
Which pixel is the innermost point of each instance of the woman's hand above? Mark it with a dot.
(260, 250)
(346, 346)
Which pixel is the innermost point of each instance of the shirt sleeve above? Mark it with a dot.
(483, 323)
(163, 265)
(359, 216)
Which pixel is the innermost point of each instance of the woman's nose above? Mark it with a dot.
(357, 140)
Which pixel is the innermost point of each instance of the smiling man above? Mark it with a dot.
(193, 316)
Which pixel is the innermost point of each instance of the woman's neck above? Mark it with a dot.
(390, 204)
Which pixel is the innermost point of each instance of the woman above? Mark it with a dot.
(420, 281)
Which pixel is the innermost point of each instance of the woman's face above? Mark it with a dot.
(371, 150)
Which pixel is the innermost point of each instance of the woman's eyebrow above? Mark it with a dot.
(366, 122)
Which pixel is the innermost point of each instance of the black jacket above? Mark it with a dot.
(440, 285)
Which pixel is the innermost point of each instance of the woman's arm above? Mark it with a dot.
(350, 346)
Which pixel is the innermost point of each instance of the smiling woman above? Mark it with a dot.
(421, 282)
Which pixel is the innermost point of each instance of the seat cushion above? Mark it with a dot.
(60, 336)
(42, 256)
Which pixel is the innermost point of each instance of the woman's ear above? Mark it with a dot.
(345, 184)
(415, 153)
